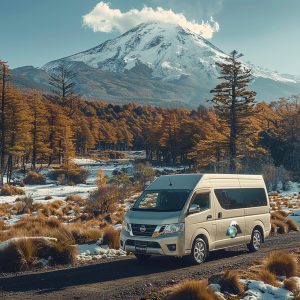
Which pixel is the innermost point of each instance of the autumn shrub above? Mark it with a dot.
(281, 225)
(230, 282)
(83, 233)
(111, 237)
(104, 199)
(292, 225)
(281, 263)
(34, 178)
(27, 204)
(189, 290)
(267, 277)
(143, 173)
(69, 174)
(10, 190)
(291, 285)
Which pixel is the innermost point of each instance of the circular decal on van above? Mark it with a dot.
(233, 230)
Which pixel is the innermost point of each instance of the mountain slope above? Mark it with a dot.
(159, 64)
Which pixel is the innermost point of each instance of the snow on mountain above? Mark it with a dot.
(170, 51)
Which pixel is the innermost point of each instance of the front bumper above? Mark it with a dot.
(157, 246)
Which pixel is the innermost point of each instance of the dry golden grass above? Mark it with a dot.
(2, 225)
(267, 277)
(292, 225)
(291, 285)
(111, 237)
(281, 225)
(230, 282)
(76, 199)
(273, 228)
(10, 190)
(83, 233)
(33, 227)
(281, 263)
(189, 290)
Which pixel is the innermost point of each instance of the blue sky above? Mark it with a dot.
(34, 32)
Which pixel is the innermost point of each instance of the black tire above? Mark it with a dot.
(256, 241)
(142, 257)
(199, 251)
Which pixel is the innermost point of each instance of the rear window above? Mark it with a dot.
(241, 198)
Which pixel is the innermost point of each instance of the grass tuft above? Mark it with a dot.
(281, 263)
(190, 290)
(230, 282)
(111, 237)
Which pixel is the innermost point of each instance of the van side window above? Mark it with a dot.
(241, 198)
(202, 200)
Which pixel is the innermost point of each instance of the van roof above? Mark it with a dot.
(189, 181)
(176, 182)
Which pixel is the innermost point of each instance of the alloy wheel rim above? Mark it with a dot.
(256, 240)
(199, 251)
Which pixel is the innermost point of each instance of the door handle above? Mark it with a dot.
(209, 217)
(219, 215)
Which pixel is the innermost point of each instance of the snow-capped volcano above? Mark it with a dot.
(170, 51)
(161, 63)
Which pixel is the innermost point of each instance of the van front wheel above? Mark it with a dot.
(256, 241)
(199, 251)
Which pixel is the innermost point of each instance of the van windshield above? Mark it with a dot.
(163, 200)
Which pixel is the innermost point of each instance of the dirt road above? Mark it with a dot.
(126, 278)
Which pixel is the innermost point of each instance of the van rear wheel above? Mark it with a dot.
(199, 251)
(256, 241)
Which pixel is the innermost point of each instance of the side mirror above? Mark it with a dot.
(194, 208)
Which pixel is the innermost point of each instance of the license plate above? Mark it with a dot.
(141, 249)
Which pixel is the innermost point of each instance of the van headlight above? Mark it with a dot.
(126, 226)
(173, 228)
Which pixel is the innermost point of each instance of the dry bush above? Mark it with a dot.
(111, 237)
(27, 204)
(278, 215)
(189, 290)
(291, 285)
(11, 259)
(104, 199)
(34, 178)
(10, 190)
(83, 233)
(76, 199)
(22, 254)
(69, 174)
(230, 282)
(281, 263)
(292, 225)
(273, 228)
(282, 226)
(267, 277)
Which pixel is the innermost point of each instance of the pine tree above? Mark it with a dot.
(235, 104)
(4, 77)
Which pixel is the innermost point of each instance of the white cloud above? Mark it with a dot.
(105, 19)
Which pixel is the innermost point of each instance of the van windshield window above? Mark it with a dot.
(164, 200)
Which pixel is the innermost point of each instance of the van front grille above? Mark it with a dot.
(143, 230)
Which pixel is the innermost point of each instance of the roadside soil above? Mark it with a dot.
(126, 278)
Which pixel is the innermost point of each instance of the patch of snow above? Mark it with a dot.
(258, 290)
(89, 252)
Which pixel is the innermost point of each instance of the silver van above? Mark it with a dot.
(193, 214)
